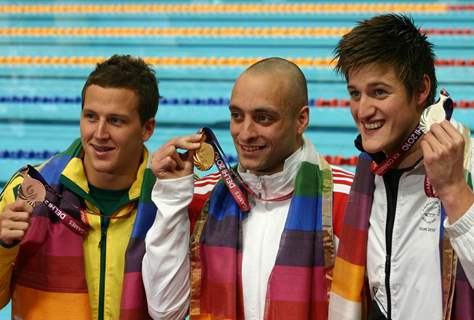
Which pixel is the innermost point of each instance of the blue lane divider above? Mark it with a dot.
(77, 100)
(26, 154)
(195, 101)
(36, 99)
(219, 101)
(46, 154)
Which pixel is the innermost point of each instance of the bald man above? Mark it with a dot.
(271, 262)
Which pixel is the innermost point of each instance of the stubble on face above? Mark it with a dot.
(258, 96)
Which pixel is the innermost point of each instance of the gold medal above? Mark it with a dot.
(204, 157)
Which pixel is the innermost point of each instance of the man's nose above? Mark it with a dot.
(248, 130)
(101, 130)
(366, 107)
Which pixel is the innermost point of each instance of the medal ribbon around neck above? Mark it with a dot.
(33, 190)
(395, 158)
(436, 113)
(226, 172)
(231, 178)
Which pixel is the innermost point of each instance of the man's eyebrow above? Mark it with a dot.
(264, 109)
(371, 84)
(118, 115)
(257, 110)
(377, 83)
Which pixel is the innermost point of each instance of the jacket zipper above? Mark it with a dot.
(104, 223)
(391, 181)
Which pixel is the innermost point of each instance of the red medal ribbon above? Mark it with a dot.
(227, 176)
(226, 172)
(395, 158)
(429, 190)
(73, 224)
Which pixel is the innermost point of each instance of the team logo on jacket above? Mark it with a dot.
(431, 213)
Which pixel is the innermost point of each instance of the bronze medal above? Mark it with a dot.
(31, 190)
(204, 157)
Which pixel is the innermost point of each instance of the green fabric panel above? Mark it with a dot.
(74, 149)
(109, 201)
(147, 185)
(16, 189)
(120, 202)
(308, 180)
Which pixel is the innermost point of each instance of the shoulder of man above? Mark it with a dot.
(342, 181)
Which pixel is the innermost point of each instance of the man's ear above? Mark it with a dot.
(148, 128)
(424, 92)
(302, 120)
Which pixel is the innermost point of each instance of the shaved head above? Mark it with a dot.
(289, 81)
(268, 114)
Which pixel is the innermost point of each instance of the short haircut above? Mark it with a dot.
(296, 96)
(125, 71)
(393, 40)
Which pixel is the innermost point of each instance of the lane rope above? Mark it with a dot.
(307, 62)
(210, 101)
(213, 32)
(242, 8)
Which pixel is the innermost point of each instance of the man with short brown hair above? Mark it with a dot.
(411, 199)
(100, 185)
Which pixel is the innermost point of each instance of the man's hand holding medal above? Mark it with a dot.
(16, 218)
(169, 163)
(202, 151)
(15, 221)
(444, 155)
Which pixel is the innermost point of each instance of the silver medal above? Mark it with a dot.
(436, 113)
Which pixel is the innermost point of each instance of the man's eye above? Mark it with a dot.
(90, 116)
(354, 94)
(380, 93)
(235, 116)
(116, 121)
(264, 118)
